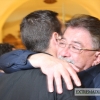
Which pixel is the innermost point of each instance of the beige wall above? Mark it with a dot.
(12, 11)
(6, 8)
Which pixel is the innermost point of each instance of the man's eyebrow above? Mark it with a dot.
(77, 42)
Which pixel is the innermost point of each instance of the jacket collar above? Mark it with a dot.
(87, 76)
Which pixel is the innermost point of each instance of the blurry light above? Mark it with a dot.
(49, 1)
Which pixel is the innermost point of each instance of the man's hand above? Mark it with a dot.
(55, 68)
(1, 71)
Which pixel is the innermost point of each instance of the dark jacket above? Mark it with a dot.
(90, 78)
(31, 85)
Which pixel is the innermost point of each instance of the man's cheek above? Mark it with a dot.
(59, 52)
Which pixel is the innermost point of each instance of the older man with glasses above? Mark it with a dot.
(74, 47)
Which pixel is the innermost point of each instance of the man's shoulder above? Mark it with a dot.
(33, 83)
(23, 75)
(90, 77)
(28, 83)
(32, 78)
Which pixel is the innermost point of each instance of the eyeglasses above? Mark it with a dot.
(72, 47)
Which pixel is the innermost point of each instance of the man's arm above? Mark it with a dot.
(54, 68)
(15, 60)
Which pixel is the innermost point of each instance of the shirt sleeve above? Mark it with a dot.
(15, 60)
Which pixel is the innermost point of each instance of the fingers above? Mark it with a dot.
(61, 71)
(74, 76)
(58, 82)
(67, 79)
(50, 83)
(67, 73)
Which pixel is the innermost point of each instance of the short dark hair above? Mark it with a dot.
(5, 47)
(88, 22)
(37, 28)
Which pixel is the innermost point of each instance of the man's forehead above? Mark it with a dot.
(78, 35)
(77, 31)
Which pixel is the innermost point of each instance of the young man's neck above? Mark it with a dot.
(51, 52)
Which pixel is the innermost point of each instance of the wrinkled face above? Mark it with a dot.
(78, 38)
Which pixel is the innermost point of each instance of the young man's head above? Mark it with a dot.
(5, 48)
(81, 41)
(38, 28)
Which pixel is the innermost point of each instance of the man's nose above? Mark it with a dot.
(65, 52)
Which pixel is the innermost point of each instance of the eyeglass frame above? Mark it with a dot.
(80, 50)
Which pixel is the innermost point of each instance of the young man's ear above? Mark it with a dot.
(55, 36)
(97, 60)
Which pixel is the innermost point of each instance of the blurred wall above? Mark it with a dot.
(12, 12)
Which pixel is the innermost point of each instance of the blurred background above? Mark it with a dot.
(12, 12)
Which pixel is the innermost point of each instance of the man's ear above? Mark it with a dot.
(55, 36)
(97, 60)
